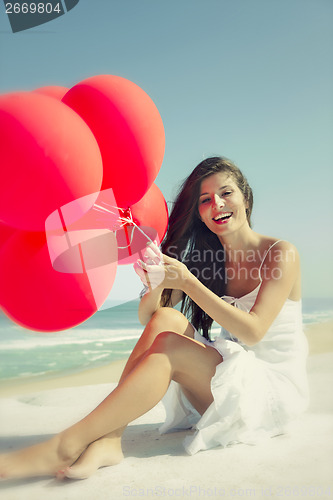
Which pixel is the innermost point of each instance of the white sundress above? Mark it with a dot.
(257, 389)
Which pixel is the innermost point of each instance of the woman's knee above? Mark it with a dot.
(167, 314)
(167, 318)
(165, 342)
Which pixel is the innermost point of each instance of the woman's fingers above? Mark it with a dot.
(167, 259)
(161, 269)
(154, 251)
(139, 271)
(150, 268)
(150, 275)
(150, 257)
(153, 245)
(153, 255)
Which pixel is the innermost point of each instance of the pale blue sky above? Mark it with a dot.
(249, 79)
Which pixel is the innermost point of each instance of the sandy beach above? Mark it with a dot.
(297, 464)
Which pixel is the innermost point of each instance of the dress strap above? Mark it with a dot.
(266, 253)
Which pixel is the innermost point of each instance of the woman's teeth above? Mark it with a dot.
(223, 216)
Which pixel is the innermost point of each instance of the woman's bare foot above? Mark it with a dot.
(101, 453)
(43, 459)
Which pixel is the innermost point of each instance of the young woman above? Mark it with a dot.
(245, 384)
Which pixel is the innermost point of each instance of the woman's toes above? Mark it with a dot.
(61, 474)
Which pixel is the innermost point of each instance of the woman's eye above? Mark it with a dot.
(227, 193)
(204, 201)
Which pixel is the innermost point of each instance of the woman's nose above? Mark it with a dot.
(218, 201)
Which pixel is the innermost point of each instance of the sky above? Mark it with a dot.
(247, 79)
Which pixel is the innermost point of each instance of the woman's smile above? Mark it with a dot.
(221, 203)
(222, 218)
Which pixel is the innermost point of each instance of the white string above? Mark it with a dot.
(122, 219)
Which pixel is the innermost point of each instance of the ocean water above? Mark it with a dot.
(107, 336)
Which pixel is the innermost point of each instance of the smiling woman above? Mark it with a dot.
(216, 188)
(247, 383)
(219, 206)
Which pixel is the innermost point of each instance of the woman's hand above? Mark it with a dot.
(158, 270)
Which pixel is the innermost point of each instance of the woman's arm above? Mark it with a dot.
(151, 301)
(280, 273)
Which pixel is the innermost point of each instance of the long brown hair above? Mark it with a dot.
(189, 240)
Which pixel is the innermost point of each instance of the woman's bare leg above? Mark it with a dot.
(171, 356)
(107, 450)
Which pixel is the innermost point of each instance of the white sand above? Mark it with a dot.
(299, 464)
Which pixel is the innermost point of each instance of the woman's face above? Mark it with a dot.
(221, 204)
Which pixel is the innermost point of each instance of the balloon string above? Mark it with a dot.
(128, 239)
(123, 219)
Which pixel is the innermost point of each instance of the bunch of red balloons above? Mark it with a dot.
(77, 196)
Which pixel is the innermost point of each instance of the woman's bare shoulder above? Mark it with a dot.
(269, 242)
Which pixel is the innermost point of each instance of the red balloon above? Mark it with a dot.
(36, 296)
(48, 157)
(150, 214)
(65, 228)
(5, 233)
(128, 129)
(55, 91)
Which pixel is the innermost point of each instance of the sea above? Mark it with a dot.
(107, 336)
